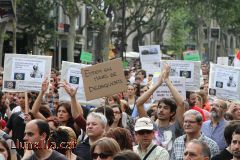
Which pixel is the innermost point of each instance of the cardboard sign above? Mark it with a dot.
(164, 92)
(25, 72)
(86, 56)
(224, 82)
(191, 55)
(104, 79)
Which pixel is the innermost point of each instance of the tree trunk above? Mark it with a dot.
(2, 32)
(71, 39)
(14, 28)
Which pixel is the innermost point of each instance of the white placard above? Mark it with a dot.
(188, 69)
(150, 53)
(71, 72)
(224, 82)
(25, 72)
(164, 92)
(222, 61)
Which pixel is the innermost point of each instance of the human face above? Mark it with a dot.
(216, 110)
(32, 135)
(199, 102)
(190, 125)
(98, 154)
(236, 111)
(192, 99)
(94, 128)
(110, 100)
(163, 112)
(117, 114)
(131, 90)
(21, 99)
(3, 151)
(235, 145)
(193, 151)
(143, 90)
(62, 114)
(144, 138)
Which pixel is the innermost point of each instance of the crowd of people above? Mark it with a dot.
(130, 125)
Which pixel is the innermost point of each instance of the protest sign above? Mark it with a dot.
(224, 82)
(71, 73)
(191, 55)
(25, 72)
(222, 61)
(188, 69)
(86, 57)
(104, 79)
(164, 92)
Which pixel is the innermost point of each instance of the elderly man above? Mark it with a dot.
(146, 149)
(192, 127)
(197, 150)
(95, 127)
(214, 128)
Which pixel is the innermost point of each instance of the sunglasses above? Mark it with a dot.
(142, 132)
(101, 155)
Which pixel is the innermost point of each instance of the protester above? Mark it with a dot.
(235, 144)
(5, 151)
(167, 108)
(197, 150)
(192, 127)
(126, 155)
(104, 148)
(146, 149)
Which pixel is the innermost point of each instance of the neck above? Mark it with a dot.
(94, 139)
(192, 136)
(215, 121)
(114, 125)
(163, 123)
(144, 147)
(70, 155)
(43, 153)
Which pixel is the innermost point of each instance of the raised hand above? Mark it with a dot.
(166, 68)
(45, 85)
(68, 88)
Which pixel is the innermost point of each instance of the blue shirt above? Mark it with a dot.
(215, 133)
(135, 112)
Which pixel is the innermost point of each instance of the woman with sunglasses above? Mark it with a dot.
(104, 149)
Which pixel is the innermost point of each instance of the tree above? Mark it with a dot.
(35, 20)
(179, 31)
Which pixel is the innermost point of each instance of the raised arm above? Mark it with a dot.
(37, 103)
(76, 108)
(177, 97)
(143, 98)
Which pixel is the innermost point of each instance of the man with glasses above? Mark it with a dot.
(192, 127)
(146, 149)
(214, 128)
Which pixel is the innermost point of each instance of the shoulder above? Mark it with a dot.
(57, 156)
(180, 139)
(209, 141)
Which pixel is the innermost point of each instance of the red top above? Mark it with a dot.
(200, 111)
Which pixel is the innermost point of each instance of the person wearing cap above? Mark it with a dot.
(214, 128)
(146, 149)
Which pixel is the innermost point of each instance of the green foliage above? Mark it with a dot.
(34, 20)
(179, 30)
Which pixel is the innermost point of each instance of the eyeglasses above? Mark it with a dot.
(142, 132)
(101, 155)
(116, 112)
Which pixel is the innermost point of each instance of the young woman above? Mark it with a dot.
(4, 150)
(104, 149)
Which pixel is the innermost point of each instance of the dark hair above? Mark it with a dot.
(122, 136)
(126, 155)
(57, 137)
(119, 107)
(188, 93)
(44, 110)
(109, 114)
(143, 72)
(5, 145)
(169, 102)
(53, 119)
(43, 127)
(67, 106)
(237, 130)
(229, 129)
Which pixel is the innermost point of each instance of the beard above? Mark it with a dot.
(236, 154)
(214, 114)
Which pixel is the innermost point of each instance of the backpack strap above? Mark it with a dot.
(149, 152)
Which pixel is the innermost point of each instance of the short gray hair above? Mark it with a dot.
(195, 113)
(99, 116)
(205, 149)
